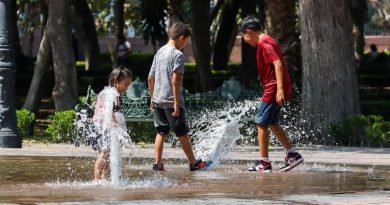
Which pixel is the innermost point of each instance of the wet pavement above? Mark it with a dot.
(314, 154)
(61, 173)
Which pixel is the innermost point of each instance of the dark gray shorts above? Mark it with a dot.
(164, 122)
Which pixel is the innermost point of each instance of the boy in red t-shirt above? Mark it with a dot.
(277, 90)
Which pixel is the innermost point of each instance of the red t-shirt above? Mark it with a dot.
(267, 52)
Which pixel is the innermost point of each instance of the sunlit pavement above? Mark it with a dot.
(314, 154)
(60, 173)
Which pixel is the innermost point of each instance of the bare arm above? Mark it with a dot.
(279, 82)
(128, 46)
(176, 80)
(151, 90)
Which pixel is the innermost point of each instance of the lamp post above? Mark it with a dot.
(9, 137)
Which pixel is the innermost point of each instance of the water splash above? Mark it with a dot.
(329, 168)
(105, 129)
(216, 130)
(155, 181)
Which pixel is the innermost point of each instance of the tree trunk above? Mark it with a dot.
(330, 89)
(201, 42)
(119, 26)
(119, 19)
(65, 94)
(90, 40)
(15, 35)
(281, 25)
(358, 29)
(44, 61)
(358, 11)
(226, 34)
(43, 4)
(216, 10)
(176, 12)
(248, 53)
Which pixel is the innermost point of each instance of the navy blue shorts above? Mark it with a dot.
(267, 114)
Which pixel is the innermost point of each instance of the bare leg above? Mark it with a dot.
(158, 148)
(281, 135)
(263, 136)
(97, 171)
(100, 164)
(105, 166)
(186, 146)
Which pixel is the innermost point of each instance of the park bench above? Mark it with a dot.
(136, 102)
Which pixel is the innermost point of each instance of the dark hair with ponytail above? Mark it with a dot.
(118, 74)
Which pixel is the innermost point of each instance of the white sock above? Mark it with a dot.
(264, 159)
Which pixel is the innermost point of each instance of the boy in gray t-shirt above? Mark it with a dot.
(165, 82)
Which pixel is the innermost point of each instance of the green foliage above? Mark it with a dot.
(379, 65)
(379, 129)
(103, 12)
(140, 64)
(351, 130)
(24, 119)
(360, 129)
(154, 13)
(142, 132)
(61, 126)
(376, 106)
(29, 14)
(83, 99)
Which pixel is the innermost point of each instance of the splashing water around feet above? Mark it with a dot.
(216, 130)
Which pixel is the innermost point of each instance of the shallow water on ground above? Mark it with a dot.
(68, 179)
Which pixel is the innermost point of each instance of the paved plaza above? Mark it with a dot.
(315, 154)
(316, 187)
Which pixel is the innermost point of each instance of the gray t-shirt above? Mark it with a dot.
(167, 60)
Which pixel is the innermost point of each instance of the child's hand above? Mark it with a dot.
(176, 112)
(280, 96)
(151, 106)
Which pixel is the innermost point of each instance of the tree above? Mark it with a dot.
(176, 12)
(248, 53)
(119, 19)
(153, 13)
(15, 35)
(282, 25)
(226, 36)
(55, 48)
(358, 11)
(42, 65)
(119, 24)
(201, 41)
(88, 34)
(330, 89)
(64, 93)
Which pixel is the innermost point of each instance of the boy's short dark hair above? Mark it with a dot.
(179, 29)
(251, 23)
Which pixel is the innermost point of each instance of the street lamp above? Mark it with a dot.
(9, 136)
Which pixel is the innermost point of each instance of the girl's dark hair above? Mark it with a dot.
(179, 29)
(118, 74)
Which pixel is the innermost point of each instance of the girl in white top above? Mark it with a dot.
(107, 119)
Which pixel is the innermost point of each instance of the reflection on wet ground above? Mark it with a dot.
(68, 179)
